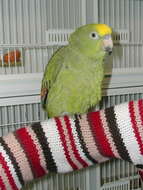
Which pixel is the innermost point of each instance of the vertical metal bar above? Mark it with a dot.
(62, 14)
(127, 16)
(25, 114)
(27, 19)
(36, 112)
(68, 13)
(19, 31)
(12, 110)
(132, 19)
(5, 119)
(87, 179)
(117, 4)
(38, 28)
(124, 26)
(141, 24)
(108, 12)
(112, 9)
(17, 114)
(68, 182)
(20, 18)
(32, 34)
(73, 13)
(102, 11)
(8, 68)
(78, 181)
(79, 13)
(51, 13)
(7, 28)
(13, 21)
(2, 120)
(83, 12)
(44, 28)
(21, 34)
(7, 21)
(138, 35)
(104, 173)
(57, 182)
(95, 11)
(1, 22)
(20, 114)
(56, 14)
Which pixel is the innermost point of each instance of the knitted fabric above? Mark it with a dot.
(70, 143)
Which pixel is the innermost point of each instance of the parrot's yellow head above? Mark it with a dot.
(103, 29)
(93, 40)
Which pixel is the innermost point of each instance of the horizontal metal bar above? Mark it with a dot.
(60, 44)
(28, 86)
(24, 45)
(18, 123)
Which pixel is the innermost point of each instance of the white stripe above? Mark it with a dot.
(127, 133)
(55, 144)
(78, 145)
(10, 166)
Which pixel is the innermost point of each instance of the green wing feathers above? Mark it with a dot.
(51, 71)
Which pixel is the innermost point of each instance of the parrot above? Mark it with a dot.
(72, 80)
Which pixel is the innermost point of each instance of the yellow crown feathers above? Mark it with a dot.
(103, 29)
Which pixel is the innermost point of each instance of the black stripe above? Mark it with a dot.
(139, 166)
(81, 140)
(50, 163)
(13, 160)
(114, 130)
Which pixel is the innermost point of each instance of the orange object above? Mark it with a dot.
(12, 56)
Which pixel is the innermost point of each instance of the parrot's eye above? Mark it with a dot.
(93, 35)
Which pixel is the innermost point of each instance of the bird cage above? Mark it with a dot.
(31, 31)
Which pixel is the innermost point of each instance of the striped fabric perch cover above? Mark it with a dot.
(70, 143)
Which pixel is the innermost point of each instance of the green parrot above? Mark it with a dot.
(73, 77)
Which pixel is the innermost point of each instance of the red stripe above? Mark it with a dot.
(9, 176)
(75, 151)
(134, 125)
(99, 134)
(140, 104)
(141, 174)
(63, 140)
(2, 185)
(31, 151)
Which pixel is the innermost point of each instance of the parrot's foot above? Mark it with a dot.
(77, 116)
(71, 115)
(65, 113)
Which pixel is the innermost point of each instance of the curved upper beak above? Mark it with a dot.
(108, 44)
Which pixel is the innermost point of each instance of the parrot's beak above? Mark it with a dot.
(108, 44)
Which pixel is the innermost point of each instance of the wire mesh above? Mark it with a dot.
(126, 15)
(23, 26)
